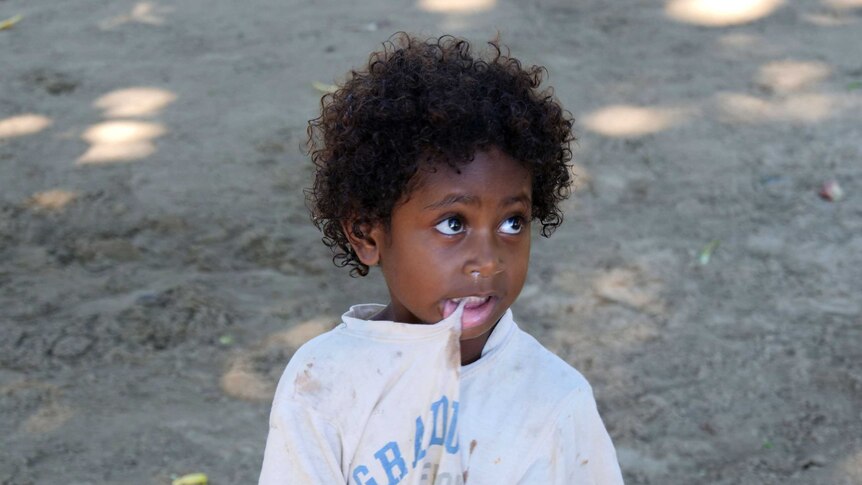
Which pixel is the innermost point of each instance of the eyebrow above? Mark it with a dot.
(453, 199)
(522, 198)
(465, 199)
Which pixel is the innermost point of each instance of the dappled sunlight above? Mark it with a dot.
(789, 76)
(852, 466)
(615, 308)
(630, 287)
(242, 381)
(147, 13)
(22, 125)
(843, 4)
(790, 83)
(629, 304)
(829, 20)
(118, 141)
(720, 13)
(48, 418)
(298, 335)
(806, 108)
(51, 200)
(140, 101)
(246, 376)
(119, 152)
(456, 6)
(115, 132)
(125, 140)
(627, 121)
(838, 13)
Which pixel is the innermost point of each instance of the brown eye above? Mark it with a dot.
(512, 225)
(450, 226)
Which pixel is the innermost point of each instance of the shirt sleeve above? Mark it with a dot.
(302, 447)
(576, 449)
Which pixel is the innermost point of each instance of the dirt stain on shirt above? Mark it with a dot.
(305, 383)
(454, 349)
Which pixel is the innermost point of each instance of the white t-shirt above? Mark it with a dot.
(385, 403)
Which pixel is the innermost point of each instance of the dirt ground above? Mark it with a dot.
(158, 267)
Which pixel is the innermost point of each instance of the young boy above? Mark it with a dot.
(432, 165)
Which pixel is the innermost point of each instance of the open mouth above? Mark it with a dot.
(477, 309)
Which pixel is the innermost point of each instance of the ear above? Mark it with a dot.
(366, 242)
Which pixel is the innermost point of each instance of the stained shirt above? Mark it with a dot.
(385, 403)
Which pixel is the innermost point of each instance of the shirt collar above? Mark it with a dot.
(356, 320)
(499, 335)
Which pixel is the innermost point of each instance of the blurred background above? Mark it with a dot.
(158, 267)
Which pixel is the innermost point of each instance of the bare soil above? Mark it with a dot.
(158, 267)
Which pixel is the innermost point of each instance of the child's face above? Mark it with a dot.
(459, 235)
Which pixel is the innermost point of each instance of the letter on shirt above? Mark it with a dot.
(389, 463)
(364, 471)
(440, 409)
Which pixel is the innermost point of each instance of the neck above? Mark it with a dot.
(471, 349)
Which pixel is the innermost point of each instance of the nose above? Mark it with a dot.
(485, 257)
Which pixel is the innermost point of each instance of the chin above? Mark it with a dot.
(479, 331)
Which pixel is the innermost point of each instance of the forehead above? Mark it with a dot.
(491, 173)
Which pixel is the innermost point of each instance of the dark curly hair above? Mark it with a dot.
(424, 102)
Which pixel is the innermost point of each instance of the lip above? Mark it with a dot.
(476, 312)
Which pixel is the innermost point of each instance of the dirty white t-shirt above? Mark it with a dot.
(384, 403)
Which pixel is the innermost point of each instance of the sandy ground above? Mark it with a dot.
(157, 266)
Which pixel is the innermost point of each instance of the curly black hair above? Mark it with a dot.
(424, 102)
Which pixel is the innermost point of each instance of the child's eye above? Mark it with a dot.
(512, 225)
(450, 226)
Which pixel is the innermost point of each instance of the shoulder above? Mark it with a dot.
(535, 384)
(314, 370)
(571, 422)
(542, 369)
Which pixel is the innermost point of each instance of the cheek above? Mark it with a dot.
(418, 263)
(520, 252)
(520, 263)
(428, 252)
